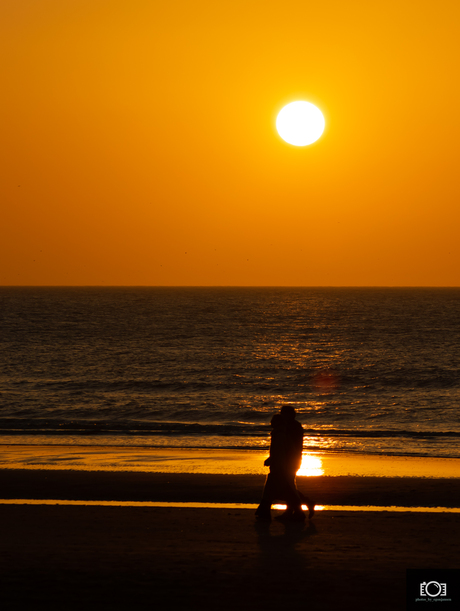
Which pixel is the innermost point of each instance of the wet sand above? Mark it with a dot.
(216, 461)
(86, 557)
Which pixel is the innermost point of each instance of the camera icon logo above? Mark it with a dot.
(433, 589)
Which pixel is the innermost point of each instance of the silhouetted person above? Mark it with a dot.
(276, 485)
(285, 458)
(293, 460)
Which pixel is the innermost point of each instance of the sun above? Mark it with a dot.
(300, 123)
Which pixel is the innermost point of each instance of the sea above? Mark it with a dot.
(371, 371)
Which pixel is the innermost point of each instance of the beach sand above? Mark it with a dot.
(87, 557)
(200, 559)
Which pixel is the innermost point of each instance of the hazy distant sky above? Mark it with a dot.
(138, 143)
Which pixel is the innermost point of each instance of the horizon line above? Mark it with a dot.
(236, 286)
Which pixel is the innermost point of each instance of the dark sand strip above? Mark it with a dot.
(210, 488)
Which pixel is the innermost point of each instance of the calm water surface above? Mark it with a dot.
(372, 371)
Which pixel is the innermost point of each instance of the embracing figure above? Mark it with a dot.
(286, 447)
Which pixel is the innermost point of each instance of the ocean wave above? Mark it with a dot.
(83, 427)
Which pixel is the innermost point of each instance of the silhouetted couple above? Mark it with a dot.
(285, 458)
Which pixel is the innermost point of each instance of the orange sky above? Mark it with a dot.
(139, 143)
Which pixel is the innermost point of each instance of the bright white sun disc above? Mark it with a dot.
(300, 123)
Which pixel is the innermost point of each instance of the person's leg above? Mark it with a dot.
(292, 498)
(309, 503)
(296, 503)
(263, 511)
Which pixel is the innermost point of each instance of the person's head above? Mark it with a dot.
(276, 420)
(287, 412)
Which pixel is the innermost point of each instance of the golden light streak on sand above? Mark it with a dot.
(251, 506)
